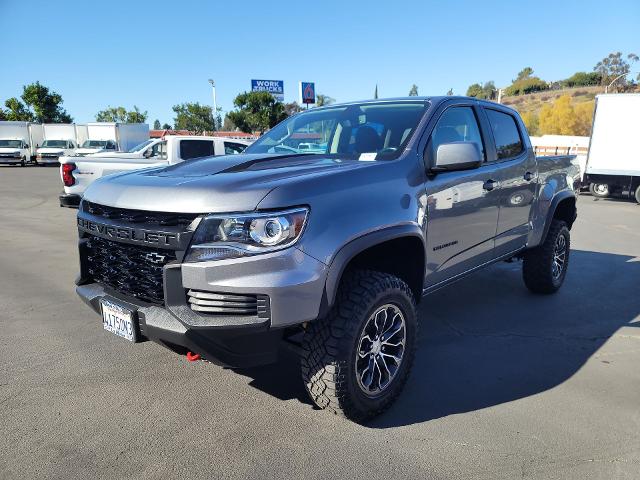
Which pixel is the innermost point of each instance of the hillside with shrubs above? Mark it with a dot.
(563, 107)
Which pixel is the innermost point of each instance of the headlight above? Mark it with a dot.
(230, 236)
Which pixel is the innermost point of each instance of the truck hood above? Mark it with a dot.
(104, 154)
(10, 149)
(230, 183)
(54, 150)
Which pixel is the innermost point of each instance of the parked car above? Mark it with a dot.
(227, 258)
(78, 173)
(613, 161)
(19, 141)
(112, 136)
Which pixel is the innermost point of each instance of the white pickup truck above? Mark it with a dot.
(78, 173)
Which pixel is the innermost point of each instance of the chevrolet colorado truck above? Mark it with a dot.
(329, 252)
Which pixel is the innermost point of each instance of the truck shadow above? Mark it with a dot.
(486, 340)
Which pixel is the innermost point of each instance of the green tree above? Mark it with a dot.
(414, 91)
(292, 108)
(120, 114)
(166, 126)
(525, 73)
(324, 100)
(228, 125)
(17, 111)
(530, 120)
(582, 79)
(46, 104)
(487, 90)
(156, 124)
(256, 111)
(38, 104)
(193, 117)
(563, 117)
(613, 66)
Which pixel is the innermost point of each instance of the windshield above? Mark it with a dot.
(94, 144)
(55, 143)
(10, 143)
(137, 148)
(367, 131)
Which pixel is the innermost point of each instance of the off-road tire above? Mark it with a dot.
(330, 345)
(599, 194)
(537, 265)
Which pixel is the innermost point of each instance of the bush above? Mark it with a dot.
(582, 79)
(526, 85)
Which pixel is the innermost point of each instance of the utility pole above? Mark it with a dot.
(215, 104)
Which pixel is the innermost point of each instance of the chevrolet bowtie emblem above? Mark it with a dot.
(155, 257)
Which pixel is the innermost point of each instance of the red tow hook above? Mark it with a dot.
(193, 357)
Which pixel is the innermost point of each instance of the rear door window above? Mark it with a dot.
(505, 133)
(195, 149)
(232, 148)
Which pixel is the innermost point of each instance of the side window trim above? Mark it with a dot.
(494, 157)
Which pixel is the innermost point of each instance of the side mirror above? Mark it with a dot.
(457, 156)
(26, 145)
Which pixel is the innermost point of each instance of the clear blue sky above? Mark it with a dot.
(156, 54)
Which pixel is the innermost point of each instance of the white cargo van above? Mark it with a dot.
(112, 136)
(60, 139)
(19, 142)
(613, 161)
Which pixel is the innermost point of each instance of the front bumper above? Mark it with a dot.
(71, 200)
(10, 160)
(293, 281)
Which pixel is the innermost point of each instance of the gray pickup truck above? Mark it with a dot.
(326, 248)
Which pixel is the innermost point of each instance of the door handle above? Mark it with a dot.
(528, 176)
(489, 185)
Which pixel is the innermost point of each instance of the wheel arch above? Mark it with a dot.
(563, 207)
(398, 250)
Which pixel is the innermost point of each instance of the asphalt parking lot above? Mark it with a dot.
(506, 384)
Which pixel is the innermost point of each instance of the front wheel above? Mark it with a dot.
(356, 360)
(638, 194)
(22, 161)
(599, 190)
(545, 266)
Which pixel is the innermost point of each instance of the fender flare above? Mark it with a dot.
(358, 245)
(557, 198)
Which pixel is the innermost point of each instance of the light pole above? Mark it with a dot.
(215, 105)
(606, 89)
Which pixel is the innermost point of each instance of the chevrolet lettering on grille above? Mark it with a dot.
(138, 235)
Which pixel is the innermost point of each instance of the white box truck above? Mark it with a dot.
(613, 161)
(19, 142)
(112, 136)
(60, 139)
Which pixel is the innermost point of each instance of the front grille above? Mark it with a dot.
(139, 216)
(132, 270)
(245, 305)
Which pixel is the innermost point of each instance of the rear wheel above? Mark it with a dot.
(638, 194)
(22, 161)
(356, 360)
(600, 190)
(545, 267)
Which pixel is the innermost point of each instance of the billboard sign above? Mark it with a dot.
(274, 87)
(307, 92)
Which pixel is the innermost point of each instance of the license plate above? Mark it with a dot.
(118, 320)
